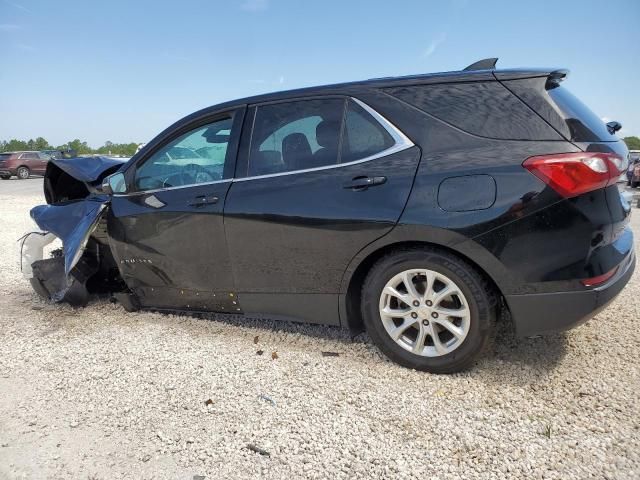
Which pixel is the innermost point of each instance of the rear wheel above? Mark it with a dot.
(22, 173)
(428, 310)
(5, 177)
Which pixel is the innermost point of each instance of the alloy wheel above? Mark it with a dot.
(425, 312)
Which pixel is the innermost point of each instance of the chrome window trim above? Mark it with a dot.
(402, 142)
(156, 190)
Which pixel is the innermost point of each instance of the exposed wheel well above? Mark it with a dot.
(354, 290)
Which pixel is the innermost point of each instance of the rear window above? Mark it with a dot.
(584, 125)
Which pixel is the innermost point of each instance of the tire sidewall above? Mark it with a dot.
(468, 281)
(20, 171)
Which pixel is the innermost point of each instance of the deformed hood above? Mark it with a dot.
(87, 169)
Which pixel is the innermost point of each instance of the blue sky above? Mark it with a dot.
(124, 70)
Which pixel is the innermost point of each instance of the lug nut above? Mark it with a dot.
(416, 303)
(434, 315)
(414, 315)
(429, 303)
(425, 323)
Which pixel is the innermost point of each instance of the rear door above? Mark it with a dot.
(43, 159)
(317, 180)
(32, 162)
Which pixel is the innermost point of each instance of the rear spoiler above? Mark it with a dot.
(555, 77)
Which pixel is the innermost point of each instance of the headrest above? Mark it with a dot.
(327, 133)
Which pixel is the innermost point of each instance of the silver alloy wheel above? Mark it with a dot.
(23, 173)
(425, 312)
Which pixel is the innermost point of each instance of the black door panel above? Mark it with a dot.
(296, 233)
(170, 251)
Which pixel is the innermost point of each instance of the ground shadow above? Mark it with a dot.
(514, 360)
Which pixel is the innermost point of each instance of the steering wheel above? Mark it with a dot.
(191, 174)
(194, 173)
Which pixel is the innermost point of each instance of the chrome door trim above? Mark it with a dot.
(402, 142)
(155, 190)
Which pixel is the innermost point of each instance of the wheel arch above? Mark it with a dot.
(351, 295)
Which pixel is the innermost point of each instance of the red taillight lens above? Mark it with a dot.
(600, 279)
(572, 174)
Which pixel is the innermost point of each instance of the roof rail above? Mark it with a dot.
(484, 64)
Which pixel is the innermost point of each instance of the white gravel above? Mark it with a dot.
(101, 393)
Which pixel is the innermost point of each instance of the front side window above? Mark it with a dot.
(196, 157)
(29, 156)
(296, 136)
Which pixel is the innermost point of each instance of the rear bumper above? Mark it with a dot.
(544, 313)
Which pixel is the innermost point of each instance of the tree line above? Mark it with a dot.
(80, 147)
(128, 149)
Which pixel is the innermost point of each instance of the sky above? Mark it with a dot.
(124, 70)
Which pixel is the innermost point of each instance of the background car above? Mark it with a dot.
(60, 153)
(23, 164)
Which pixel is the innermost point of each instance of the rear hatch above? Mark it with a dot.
(3, 158)
(598, 169)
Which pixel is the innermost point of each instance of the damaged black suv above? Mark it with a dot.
(415, 207)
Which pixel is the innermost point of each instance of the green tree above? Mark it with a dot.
(15, 145)
(633, 143)
(81, 147)
(41, 144)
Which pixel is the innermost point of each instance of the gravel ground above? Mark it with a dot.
(101, 393)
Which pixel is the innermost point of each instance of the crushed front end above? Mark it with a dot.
(74, 214)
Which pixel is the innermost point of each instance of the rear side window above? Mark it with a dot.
(296, 136)
(5, 156)
(307, 134)
(363, 135)
(29, 156)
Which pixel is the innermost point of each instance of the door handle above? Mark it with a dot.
(202, 200)
(363, 182)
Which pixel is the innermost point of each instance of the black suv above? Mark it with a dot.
(416, 207)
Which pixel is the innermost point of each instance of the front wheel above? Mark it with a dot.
(428, 310)
(22, 173)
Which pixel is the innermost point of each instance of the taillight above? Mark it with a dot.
(572, 174)
(600, 279)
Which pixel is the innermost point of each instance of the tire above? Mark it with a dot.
(6, 177)
(39, 288)
(23, 173)
(634, 184)
(473, 295)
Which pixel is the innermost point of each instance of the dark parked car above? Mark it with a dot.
(61, 153)
(22, 164)
(415, 207)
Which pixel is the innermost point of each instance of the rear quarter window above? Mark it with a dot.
(486, 109)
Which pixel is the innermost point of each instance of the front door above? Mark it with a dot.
(321, 179)
(167, 233)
